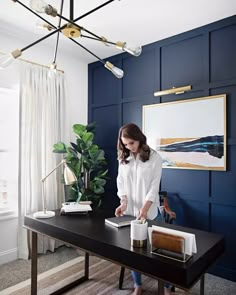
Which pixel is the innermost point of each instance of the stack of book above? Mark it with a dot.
(75, 208)
(121, 221)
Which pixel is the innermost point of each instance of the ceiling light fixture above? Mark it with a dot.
(71, 30)
(53, 67)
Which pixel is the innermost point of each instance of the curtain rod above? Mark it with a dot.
(34, 63)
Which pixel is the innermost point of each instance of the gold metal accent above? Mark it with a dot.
(71, 31)
(138, 243)
(104, 41)
(109, 65)
(174, 90)
(16, 53)
(120, 45)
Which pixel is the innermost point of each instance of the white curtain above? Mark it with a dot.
(42, 123)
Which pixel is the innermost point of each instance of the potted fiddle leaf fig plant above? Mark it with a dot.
(88, 163)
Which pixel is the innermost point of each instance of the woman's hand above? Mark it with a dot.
(142, 213)
(121, 209)
(144, 210)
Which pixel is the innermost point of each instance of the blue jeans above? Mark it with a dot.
(137, 275)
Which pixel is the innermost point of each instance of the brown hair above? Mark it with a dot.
(132, 131)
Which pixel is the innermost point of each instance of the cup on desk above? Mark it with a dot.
(138, 233)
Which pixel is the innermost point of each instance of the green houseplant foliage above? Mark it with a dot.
(88, 163)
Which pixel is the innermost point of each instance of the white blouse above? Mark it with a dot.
(139, 182)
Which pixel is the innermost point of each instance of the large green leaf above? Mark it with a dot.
(102, 173)
(79, 129)
(91, 127)
(93, 148)
(59, 147)
(97, 155)
(88, 137)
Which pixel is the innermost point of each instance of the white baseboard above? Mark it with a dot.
(7, 256)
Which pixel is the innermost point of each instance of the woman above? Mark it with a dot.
(138, 181)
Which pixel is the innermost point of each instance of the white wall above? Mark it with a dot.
(77, 85)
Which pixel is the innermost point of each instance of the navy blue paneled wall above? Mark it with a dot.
(206, 59)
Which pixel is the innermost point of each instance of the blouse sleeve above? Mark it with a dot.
(120, 182)
(153, 192)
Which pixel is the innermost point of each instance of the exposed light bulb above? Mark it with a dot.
(7, 59)
(134, 50)
(115, 71)
(38, 5)
(42, 7)
(131, 49)
(44, 26)
(52, 71)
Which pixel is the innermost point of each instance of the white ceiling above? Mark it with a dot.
(135, 21)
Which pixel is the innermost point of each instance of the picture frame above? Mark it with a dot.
(188, 134)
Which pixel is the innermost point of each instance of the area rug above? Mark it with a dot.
(103, 279)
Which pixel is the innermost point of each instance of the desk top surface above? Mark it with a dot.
(90, 233)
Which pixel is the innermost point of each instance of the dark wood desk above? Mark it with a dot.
(91, 234)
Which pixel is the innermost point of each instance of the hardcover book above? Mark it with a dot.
(120, 221)
(74, 207)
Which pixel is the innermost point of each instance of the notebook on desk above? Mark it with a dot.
(120, 221)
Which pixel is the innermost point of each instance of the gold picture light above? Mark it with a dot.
(174, 90)
(71, 30)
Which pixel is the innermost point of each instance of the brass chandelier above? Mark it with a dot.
(71, 30)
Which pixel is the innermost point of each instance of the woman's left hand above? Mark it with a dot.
(144, 210)
(142, 213)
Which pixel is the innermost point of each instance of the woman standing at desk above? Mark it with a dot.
(138, 181)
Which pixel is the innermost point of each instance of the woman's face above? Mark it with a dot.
(131, 144)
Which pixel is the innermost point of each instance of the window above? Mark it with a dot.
(9, 151)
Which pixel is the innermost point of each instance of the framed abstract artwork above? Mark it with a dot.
(188, 134)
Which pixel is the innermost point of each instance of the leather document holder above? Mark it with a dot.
(168, 242)
(168, 245)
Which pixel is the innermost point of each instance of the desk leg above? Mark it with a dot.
(202, 285)
(160, 287)
(34, 264)
(86, 266)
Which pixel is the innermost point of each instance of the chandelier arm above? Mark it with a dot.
(41, 39)
(58, 33)
(93, 10)
(89, 37)
(96, 39)
(71, 10)
(100, 59)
